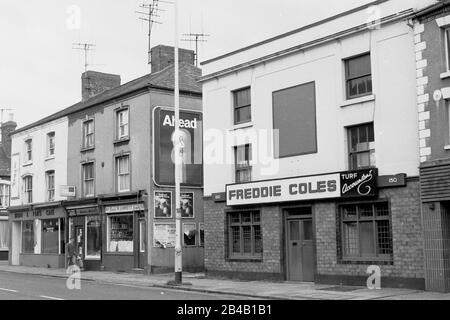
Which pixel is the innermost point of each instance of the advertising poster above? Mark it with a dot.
(15, 176)
(192, 132)
(164, 235)
(187, 205)
(189, 234)
(163, 204)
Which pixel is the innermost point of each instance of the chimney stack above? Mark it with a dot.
(164, 56)
(6, 129)
(94, 83)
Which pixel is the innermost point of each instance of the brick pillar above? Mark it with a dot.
(436, 226)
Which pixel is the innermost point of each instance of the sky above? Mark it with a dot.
(40, 72)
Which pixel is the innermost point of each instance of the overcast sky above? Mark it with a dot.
(40, 72)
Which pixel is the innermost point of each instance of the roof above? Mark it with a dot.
(163, 79)
(432, 8)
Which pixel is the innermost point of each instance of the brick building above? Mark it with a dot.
(307, 177)
(432, 39)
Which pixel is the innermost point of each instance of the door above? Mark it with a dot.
(141, 245)
(79, 240)
(300, 250)
(15, 243)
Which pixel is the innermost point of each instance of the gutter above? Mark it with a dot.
(389, 19)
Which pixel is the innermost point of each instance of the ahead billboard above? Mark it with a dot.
(191, 127)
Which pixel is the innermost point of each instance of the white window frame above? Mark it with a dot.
(83, 180)
(51, 136)
(447, 47)
(27, 192)
(121, 124)
(88, 133)
(5, 194)
(108, 231)
(28, 151)
(119, 175)
(48, 174)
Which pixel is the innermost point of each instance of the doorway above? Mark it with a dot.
(300, 257)
(142, 257)
(16, 236)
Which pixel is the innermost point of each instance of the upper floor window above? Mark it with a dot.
(358, 76)
(123, 173)
(29, 150)
(88, 179)
(28, 189)
(242, 106)
(88, 134)
(51, 144)
(4, 195)
(361, 146)
(243, 168)
(122, 121)
(50, 177)
(447, 48)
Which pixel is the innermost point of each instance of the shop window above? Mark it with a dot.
(243, 158)
(88, 179)
(28, 237)
(4, 195)
(50, 236)
(28, 189)
(242, 106)
(358, 76)
(88, 134)
(28, 150)
(4, 234)
(123, 173)
(361, 146)
(244, 235)
(189, 234)
(366, 231)
(93, 237)
(122, 124)
(50, 144)
(50, 178)
(120, 233)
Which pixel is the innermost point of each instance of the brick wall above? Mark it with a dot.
(406, 231)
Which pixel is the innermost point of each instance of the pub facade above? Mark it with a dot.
(308, 176)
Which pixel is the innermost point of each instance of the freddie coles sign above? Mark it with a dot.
(329, 186)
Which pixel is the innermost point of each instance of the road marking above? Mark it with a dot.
(51, 298)
(8, 290)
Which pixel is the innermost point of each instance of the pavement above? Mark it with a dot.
(198, 283)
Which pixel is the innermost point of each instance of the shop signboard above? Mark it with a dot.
(191, 135)
(360, 183)
(124, 208)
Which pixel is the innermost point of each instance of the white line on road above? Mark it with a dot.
(51, 298)
(8, 290)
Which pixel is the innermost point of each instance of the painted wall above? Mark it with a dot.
(391, 108)
(41, 162)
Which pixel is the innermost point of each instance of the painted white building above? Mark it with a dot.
(38, 173)
(336, 97)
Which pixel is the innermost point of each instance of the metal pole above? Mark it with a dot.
(178, 168)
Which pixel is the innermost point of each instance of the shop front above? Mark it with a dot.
(38, 235)
(326, 228)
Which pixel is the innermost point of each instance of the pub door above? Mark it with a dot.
(300, 250)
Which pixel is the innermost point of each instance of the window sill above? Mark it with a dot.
(87, 149)
(447, 147)
(27, 164)
(366, 260)
(259, 260)
(445, 75)
(240, 126)
(50, 158)
(122, 140)
(354, 101)
(92, 258)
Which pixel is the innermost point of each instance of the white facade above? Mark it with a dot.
(391, 107)
(42, 162)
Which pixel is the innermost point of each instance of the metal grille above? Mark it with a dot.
(236, 239)
(247, 239)
(258, 239)
(384, 237)
(351, 239)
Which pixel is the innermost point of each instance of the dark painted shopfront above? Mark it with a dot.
(38, 235)
(325, 228)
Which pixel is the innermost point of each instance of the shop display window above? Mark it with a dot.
(120, 233)
(4, 234)
(28, 236)
(50, 236)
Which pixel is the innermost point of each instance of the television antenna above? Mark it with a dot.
(86, 47)
(196, 37)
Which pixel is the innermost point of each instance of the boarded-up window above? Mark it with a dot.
(294, 115)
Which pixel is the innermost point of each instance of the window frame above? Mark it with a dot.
(241, 256)
(348, 79)
(98, 219)
(5, 193)
(51, 148)
(236, 107)
(27, 193)
(118, 125)
(350, 153)
(447, 47)
(108, 232)
(243, 168)
(83, 180)
(86, 134)
(28, 151)
(117, 173)
(49, 191)
(374, 218)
